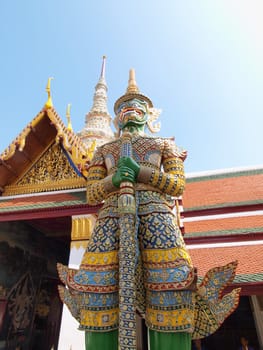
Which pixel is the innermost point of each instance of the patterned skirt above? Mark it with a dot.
(164, 275)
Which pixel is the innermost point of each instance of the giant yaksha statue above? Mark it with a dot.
(136, 259)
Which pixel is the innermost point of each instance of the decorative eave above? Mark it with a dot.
(44, 130)
(38, 188)
(48, 205)
(69, 139)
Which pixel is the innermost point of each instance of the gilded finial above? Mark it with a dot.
(132, 86)
(91, 149)
(69, 127)
(49, 103)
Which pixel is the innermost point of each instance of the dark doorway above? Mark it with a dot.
(239, 323)
(30, 308)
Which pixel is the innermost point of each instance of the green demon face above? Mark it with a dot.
(132, 112)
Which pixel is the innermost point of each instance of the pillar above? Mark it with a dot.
(70, 338)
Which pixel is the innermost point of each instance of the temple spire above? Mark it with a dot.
(102, 74)
(100, 96)
(98, 120)
(49, 102)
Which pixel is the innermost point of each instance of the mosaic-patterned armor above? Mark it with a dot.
(167, 267)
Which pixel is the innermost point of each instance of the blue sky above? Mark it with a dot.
(200, 61)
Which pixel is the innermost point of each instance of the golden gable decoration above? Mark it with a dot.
(51, 172)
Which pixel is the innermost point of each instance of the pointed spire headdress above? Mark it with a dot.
(132, 92)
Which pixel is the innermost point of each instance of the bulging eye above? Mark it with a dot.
(135, 105)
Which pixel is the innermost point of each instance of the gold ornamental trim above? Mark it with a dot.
(182, 318)
(64, 184)
(79, 244)
(104, 318)
(81, 227)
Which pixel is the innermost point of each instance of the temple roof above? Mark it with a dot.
(249, 255)
(224, 206)
(224, 189)
(223, 221)
(45, 130)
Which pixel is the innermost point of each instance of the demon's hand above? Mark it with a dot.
(127, 170)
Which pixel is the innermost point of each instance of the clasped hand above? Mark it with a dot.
(127, 170)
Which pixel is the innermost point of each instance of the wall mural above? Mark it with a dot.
(20, 303)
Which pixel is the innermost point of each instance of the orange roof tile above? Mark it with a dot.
(250, 258)
(223, 191)
(224, 224)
